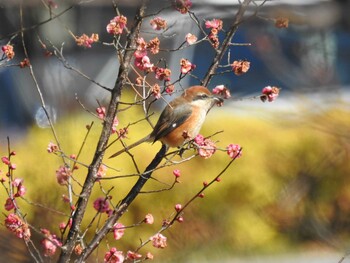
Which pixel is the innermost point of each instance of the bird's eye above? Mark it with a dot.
(202, 96)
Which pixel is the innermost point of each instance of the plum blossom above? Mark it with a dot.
(5, 160)
(101, 204)
(269, 93)
(183, 6)
(190, 39)
(24, 63)
(162, 73)
(144, 63)
(118, 231)
(52, 147)
(222, 90)
(178, 207)
(159, 241)
(234, 151)
(10, 204)
(177, 173)
(169, 88)
(158, 23)
(133, 255)
(86, 41)
(149, 219)
(8, 51)
(117, 25)
(114, 125)
(186, 66)
(62, 174)
(153, 45)
(21, 190)
(101, 112)
(149, 255)
(214, 24)
(50, 243)
(156, 92)
(240, 67)
(206, 147)
(114, 256)
(17, 226)
(101, 171)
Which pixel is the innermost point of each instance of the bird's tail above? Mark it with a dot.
(129, 147)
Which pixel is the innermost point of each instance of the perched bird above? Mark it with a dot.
(182, 119)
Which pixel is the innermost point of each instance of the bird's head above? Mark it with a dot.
(201, 97)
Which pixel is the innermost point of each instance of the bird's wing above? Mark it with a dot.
(169, 120)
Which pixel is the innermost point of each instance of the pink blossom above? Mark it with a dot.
(240, 67)
(101, 204)
(8, 51)
(214, 24)
(191, 39)
(141, 50)
(206, 147)
(222, 90)
(117, 25)
(101, 112)
(50, 243)
(149, 255)
(144, 63)
(199, 139)
(149, 219)
(5, 160)
(133, 255)
(169, 88)
(118, 231)
(101, 171)
(159, 241)
(10, 204)
(17, 226)
(62, 174)
(115, 124)
(183, 6)
(86, 41)
(156, 92)
(180, 219)
(21, 190)
(234, 151)
(114, 256)
(52, 148)
(269, 93)
(177, 173)
(158, 23)
(13, 166)
(178, 207)
(162, 73)
(186, 66)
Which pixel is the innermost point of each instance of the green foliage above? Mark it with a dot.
(290, 187)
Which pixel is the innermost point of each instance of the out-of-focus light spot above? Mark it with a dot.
(41, 117)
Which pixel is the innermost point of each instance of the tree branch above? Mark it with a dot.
(220, 52)
(68, 247)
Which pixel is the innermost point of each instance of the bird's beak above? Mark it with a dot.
(218, 101)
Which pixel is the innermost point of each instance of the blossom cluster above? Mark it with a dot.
(117, 25)
(17, 226)
(8, 51)
(183, 6)
(86, 41)
(49, 243)
(215, 26)
(269, 93)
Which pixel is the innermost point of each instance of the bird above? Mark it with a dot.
(181, 120)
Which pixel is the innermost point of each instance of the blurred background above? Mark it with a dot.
(286, 200)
